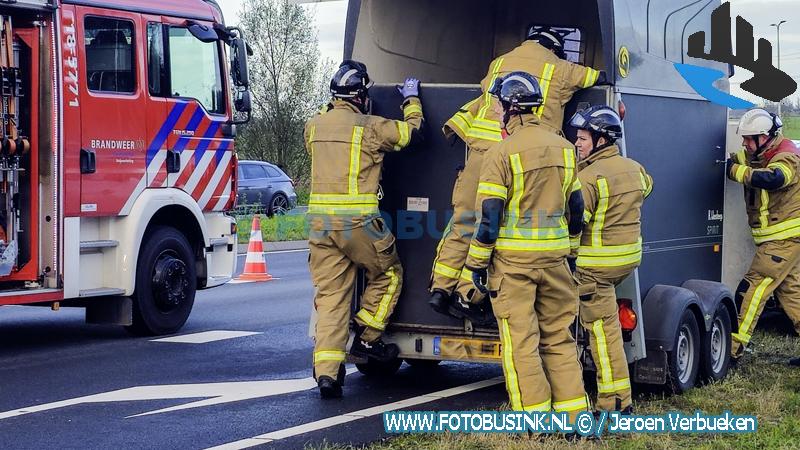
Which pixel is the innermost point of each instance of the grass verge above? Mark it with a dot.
(275, 229)
(791, 129)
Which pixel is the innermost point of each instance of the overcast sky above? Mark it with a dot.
(330, 18)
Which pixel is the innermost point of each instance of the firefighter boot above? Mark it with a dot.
(440, 302)
(377, 350)
(330, 388)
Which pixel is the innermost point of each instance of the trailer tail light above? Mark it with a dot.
(234, 229)
(627, 316)
(621, 110)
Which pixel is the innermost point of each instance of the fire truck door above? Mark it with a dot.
(197, 88)
(113, 90)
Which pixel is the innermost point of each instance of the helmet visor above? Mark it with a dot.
(578, 121)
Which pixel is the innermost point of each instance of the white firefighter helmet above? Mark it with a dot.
(757, 122)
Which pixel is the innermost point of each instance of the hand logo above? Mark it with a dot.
(767, 82)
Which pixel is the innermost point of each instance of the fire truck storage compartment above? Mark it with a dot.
(21, 67)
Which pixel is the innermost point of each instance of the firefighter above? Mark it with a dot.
(347, 147)
(614, 188)
(478, 125)
(528, 188)
(768, 167)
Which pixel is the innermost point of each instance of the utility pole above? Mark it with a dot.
(778, 26)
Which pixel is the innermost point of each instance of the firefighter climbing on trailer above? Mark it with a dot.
(347, 147)
(478, 125)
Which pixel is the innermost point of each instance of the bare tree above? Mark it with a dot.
(288, 80)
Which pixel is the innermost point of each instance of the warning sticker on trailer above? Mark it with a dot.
(419, 204)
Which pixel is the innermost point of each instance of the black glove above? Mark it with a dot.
(480, 278)
(573, 264)
(729, 165)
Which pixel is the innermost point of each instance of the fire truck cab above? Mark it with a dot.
(117, 166)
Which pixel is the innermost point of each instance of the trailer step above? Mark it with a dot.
(98, 292)
(97, 246)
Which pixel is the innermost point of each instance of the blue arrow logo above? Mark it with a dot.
(702, 79)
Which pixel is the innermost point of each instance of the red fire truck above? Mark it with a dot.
(117, 164)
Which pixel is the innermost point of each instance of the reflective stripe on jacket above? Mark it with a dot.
(347, 149)
(614, 188)
(774, 211)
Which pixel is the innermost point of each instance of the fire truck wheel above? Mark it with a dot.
(165, 283)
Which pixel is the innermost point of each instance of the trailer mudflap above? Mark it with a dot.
(651, 370)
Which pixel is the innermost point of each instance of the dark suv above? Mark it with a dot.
(266, 187)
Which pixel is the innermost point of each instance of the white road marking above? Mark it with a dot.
(356, 415)
(205, 337)
(214, 394)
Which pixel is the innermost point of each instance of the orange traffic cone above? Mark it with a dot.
(255, 266)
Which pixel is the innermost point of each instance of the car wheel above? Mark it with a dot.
(278, 206)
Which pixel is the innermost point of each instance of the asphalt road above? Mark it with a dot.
(66, 384)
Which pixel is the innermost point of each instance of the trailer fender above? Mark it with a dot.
(711, 294)
(662, 310)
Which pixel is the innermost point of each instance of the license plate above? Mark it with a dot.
(467, 349)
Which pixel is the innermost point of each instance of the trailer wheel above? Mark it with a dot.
(373, 368)
(717, 346)
(423, 364)
(165, 283)
(684, 359)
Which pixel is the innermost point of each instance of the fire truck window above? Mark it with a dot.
(195, 70)
(109, 55)
(156, 71)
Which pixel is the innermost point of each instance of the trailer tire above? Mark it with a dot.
(374, 368)
(684, 360)
(166, 282)
(717, 346)
(423, 364)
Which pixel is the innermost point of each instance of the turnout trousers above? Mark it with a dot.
(535, 309)
(775, 270)
(336, 256)
(599, 316)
